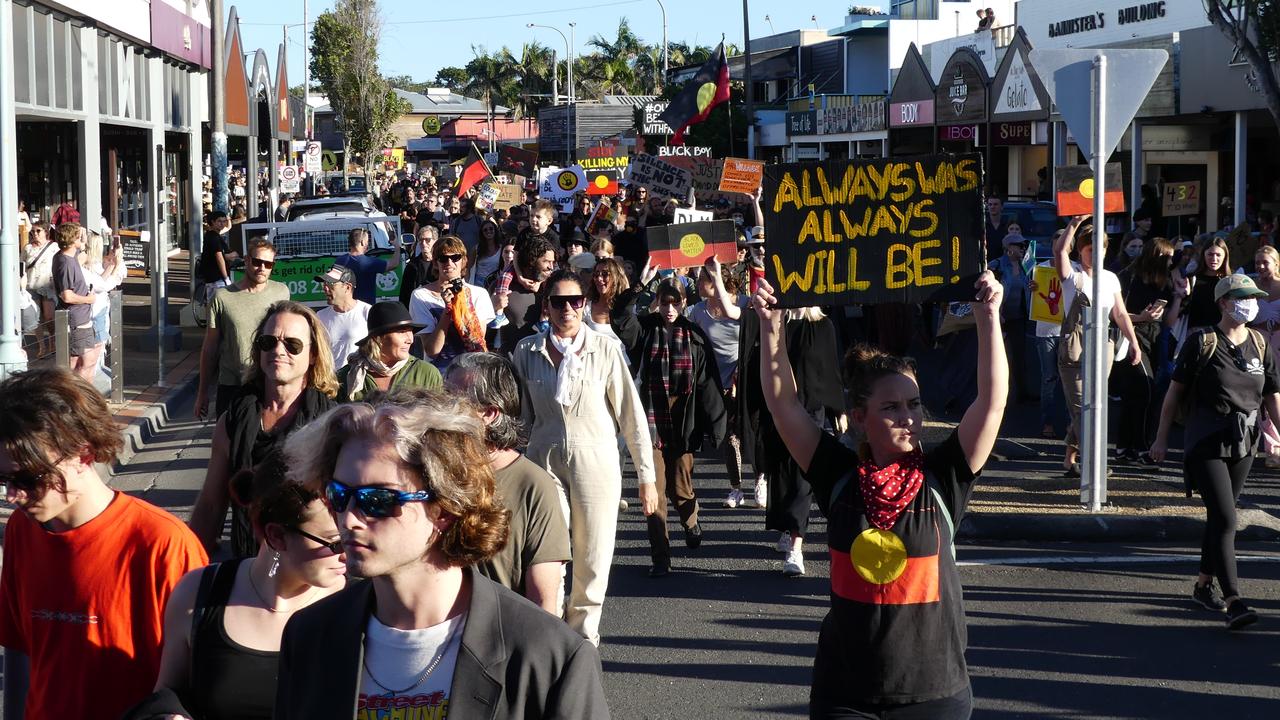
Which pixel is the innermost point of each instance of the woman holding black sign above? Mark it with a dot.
(894, 640)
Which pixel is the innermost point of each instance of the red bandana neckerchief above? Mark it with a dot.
(887, 491)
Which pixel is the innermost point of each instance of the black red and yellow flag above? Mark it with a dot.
(708, 88)
(1075, 190)
(474, 171)
(690, 244)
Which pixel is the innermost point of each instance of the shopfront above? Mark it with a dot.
(960, 106)
(841, 127)
(1019, 127)
(911, 109)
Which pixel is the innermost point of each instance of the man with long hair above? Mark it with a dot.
(413, 496)
(87, 570)
(290, 382)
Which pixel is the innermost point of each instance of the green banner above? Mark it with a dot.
(300, 275)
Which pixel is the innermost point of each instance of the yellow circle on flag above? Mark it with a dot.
(602, 181)
(706, 94)
(878, 555)
(1086, 187)
(567, 180)
(691, 245)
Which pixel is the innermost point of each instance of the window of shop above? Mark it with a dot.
(46, 55)
(914, 9)
(47, 164)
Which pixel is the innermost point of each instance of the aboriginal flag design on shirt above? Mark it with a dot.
(896, 631)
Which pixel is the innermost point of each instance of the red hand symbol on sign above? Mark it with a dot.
(1054, 296)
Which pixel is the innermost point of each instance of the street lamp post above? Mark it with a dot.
(568, 53)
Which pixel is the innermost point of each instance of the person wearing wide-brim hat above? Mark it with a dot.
(383, 361)
(1230, 375)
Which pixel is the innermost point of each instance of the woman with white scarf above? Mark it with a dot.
(383, 360)
(577, 390)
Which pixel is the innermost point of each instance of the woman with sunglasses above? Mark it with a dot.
(578, 395)
(290, 382)
(1225, 375)
(384, 360)
(223, 624)
(451, 313)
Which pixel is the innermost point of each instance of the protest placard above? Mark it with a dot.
(705, 172)
(515, 160)
(603, 167)
(844, 232)
(690, 244)
(602, 216)
(1046, 301)
(508, 196)
(488, 195)
(662, 178)
(560, 185)
(741, 176)
(688, 215)
(1075, 190)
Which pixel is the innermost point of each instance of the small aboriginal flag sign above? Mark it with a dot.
(1075, 190)
(690, 244)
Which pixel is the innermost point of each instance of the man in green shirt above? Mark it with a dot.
(234, 313)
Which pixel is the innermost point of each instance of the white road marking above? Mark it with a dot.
(1102, 560)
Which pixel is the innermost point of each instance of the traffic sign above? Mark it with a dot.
(1067, 75)
(311, 161)
(289, 179)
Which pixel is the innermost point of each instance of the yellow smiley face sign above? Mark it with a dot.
(567, 180)
(431, 125)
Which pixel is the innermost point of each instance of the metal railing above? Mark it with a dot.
(62, 343)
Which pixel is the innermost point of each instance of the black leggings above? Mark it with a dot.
(956, 707)
(1220, 481)
(1135, 405)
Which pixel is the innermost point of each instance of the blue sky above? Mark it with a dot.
(419, 38)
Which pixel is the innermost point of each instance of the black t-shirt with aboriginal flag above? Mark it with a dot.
(896, 631)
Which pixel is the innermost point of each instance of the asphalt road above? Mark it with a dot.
(1055, 630)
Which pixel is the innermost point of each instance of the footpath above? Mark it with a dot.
(1022, 495)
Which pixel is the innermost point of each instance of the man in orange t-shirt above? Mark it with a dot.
(87, 570)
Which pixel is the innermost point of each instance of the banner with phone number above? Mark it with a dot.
(299, 274)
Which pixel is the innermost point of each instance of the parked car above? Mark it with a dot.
(1039, 220)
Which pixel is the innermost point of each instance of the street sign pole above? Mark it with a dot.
(1097, 108)
(1093, 450)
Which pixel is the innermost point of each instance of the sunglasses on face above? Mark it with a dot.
(442, 259)
(374, 502)
(267, 343)
(560, 302)
(259, 262)
(333, 546)
(23, 481)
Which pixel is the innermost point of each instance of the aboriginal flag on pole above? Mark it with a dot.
(707, 89)
(474, 171)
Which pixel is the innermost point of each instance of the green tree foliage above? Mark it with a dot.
(454, 78)
(344, 63)
(1253, 26)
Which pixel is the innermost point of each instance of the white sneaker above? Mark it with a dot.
(784, 543)
(762, 493)
(793, 566)
(735, 498)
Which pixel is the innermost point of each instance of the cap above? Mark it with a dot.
(1236, 285)
(337, 274)
(582, 261)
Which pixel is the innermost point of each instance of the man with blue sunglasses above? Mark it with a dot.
(414, 501)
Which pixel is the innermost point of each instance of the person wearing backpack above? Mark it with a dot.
(1077, 294)
(893, 643)
(1223, 377)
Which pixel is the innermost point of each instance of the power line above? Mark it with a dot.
(487, 17)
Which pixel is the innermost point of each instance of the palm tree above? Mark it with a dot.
(647, 70)
(533, 71)
(625, 46)
(491, 77)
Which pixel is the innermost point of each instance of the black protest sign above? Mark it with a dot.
(844, 232)
(516, 161)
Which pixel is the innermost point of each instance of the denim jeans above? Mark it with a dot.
(1050, 387)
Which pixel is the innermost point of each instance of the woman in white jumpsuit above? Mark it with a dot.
(578, 397)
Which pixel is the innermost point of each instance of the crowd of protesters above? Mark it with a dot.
(424, 490)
